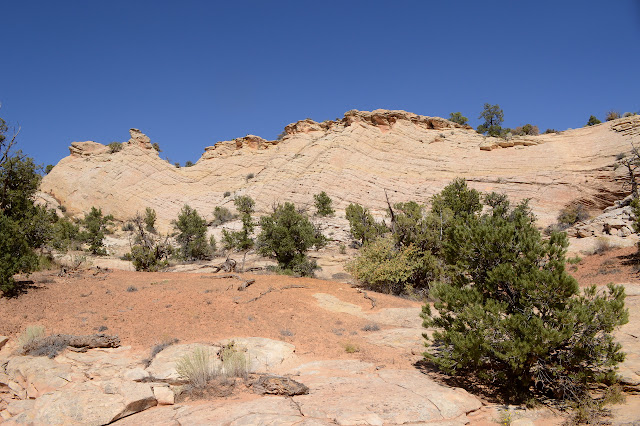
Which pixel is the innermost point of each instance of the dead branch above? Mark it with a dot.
(366, 296)
(52, 345)
(269, 291)
(243, 286)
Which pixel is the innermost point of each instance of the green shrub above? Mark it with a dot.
(509, 315)
(526, 130)
(457, 117)
(241, 240)
(95, 226)
(287, 236)
(546, 132)
(593, 121)
(191, 234)
(213, 246)
(48, 169)
(571, 215)
(156, 147)
(222, 215)
(323, 204)
(23, 225)
(226, 194)
(150, 251)
(362, 225)
(150, 219)
(188, 164)
(65, 235)
(383, 267)
(115, 147)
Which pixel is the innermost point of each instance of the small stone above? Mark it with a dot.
(136, 374)
(164, 395)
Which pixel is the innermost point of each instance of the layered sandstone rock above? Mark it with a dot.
(353, 159)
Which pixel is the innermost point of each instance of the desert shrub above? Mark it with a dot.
(371, 327)
(351, 348)
(546, 132)
(526, 130)
(574, 260)
(177, 164)
(222, 215)
(383, 267)
(510, 316)
(156, 146)
(95, 227)
(342, 249)
(250, 176)
(150, 219)
(323, 204)
(31, 334)
(629, 114)
(65, 235)
(188, 164)
(362, 225)
(48, 169)
(191, 234)
(241, 240)
(197, 368)
(287, 236)
(602, 245)
(115, 147)
(593, 121)
(457, 117)
(132, 289)
(150, 251)
(612, 115)
(213, 245)
(572, 214)
(226, 194)
(234, 360)
(128, 227)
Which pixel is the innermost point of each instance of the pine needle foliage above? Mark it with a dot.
(507, 312)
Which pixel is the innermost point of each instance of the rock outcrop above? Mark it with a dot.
(353, 159)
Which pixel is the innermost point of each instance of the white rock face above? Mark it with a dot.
(354, 160)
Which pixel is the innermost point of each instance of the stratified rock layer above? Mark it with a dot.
(354, 159)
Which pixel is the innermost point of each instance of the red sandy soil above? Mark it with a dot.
(613, 266)
(196, 308)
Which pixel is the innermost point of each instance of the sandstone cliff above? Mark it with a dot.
(354, 160)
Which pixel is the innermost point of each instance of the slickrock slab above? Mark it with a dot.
(353, 159)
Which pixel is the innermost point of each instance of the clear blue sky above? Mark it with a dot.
(191, 73)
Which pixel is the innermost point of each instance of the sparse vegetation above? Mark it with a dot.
(156, 147)
(241, 240)
(191, 234)
(612, 115)
(526, 130)
(48, 169)
(362, 225)
(95, 227)
(188, 164)
(287, 236)
(351, 348)
(371, 327)
(150, 220)
(132, 288)
(31, 334)
(457, 117)
(493, 118)
(222, 215)
(323, 204)
(593, 121)
(574, 260)
(571, 215)
(250, 176)
(115, 147)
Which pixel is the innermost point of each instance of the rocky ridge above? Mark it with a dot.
(353, 159)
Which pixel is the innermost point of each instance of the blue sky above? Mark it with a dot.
(191, 73)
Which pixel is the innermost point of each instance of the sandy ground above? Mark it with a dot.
(144, 309)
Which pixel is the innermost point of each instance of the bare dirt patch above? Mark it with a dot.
(199, 308)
